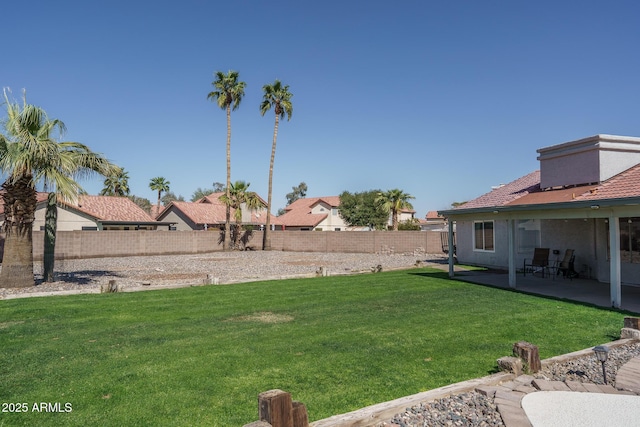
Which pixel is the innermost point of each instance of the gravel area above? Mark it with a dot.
(475, 409)
(87, 275)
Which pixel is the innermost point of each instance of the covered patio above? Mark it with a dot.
(589, 291)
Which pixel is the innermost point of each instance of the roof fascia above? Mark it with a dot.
(597, 208)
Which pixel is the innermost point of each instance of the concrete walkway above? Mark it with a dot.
(588, 291)
(530, 402)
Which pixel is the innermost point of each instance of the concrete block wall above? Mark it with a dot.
(97, 244)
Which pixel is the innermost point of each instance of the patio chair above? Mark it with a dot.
(539, 263)
(566, 266)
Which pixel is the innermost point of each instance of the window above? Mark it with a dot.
(334, 211)
(483, 236)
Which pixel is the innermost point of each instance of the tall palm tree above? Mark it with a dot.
(116, 184)
(30, 155)
(160, 185)
(393, 201)
(227, 94)
(277, 96)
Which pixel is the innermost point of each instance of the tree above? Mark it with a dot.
(228, 94)
(218, 187)
(412, 224)
(297, 193)
(160, 185)
(202, 192)
(362, 210)
(277, 96)
(240, 195)
(30, 155)
(143, 203)
(393, 201)
(169, 197)
(116, 184)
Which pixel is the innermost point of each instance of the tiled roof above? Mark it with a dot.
(212, 198)
(200, 212)
(527, 191)
(625, 184)
(506, 193)
(433, 215)
(110, 208)
(298, 213)
(203, 212)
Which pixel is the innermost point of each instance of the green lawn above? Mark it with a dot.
(200, 356)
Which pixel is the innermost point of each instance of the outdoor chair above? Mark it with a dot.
(566, 266)
(539, 263)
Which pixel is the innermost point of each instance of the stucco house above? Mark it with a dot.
(210, 213)
(585, 196)
(92, 213)
(322, 214)
(313, 213)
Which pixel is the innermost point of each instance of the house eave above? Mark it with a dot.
(592, 205)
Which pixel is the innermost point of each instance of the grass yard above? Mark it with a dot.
(200, 356)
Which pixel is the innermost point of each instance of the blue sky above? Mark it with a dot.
(440, 99)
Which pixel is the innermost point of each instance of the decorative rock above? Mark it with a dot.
(629, 333)
(632, 322)
(510, 364)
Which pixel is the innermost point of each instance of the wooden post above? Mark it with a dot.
(112, 286)
(276, 408)
(529, 354)
(300, 416)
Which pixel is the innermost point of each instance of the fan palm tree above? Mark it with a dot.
(277, 96)
(116, 184)
(393, 201)
(160, 185)
(227, 94)
(29, 154)
(239, 196)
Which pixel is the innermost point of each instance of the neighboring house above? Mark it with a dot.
(322, 214)
(96, 213)
(209, 212)
(403, 215)
(433, 221)
(314, 213)
(586, 197)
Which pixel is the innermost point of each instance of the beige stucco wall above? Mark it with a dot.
(67, 221)
(95, 244)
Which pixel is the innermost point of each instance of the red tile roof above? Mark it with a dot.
(625, 184)
(110, 208)
(433, 215)
(298, 213)
(505, 193)
(527, 191)
(213, 212)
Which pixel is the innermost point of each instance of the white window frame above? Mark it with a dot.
(473, 232)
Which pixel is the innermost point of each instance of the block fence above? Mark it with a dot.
(98, 244)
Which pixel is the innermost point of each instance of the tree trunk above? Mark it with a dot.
(19, 209)
(227, 222)
(50, 226)
(266, 237)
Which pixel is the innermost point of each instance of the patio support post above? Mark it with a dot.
(451, 248)
(614, 262)
(512, 261)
